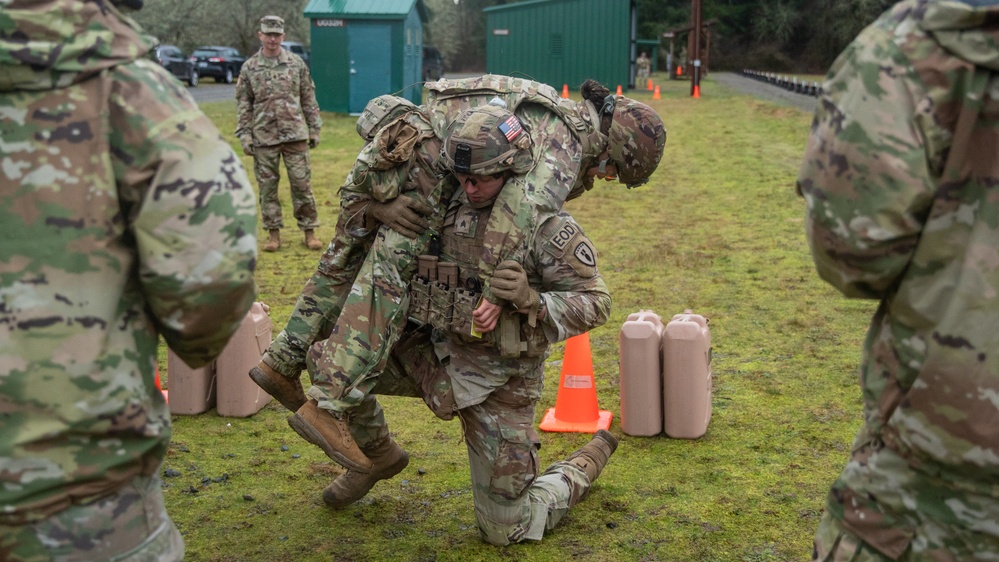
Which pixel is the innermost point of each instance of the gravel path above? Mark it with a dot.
(765, 91)
(209, 91)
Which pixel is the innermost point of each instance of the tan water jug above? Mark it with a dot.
(238, 395)
(640, 352)
(686, 376)
(192, 391)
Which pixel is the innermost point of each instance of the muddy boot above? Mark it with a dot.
(311, 241)
(331, 434)
(592, 457)
(388, 460)
(274, 243)
(287, 390)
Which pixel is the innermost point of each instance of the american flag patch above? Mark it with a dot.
(510, 128)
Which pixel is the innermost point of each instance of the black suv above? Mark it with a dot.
(298, 49)
(173, 60)
(433, 64)
(221, 63)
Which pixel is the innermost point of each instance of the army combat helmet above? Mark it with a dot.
(635, 139)
(487, 140)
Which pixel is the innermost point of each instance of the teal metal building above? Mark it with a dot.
(362, 49)
(564, 41)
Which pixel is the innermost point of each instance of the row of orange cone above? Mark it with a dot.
(655, 91)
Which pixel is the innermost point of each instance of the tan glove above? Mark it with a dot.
(402, 214)
(247, 143)
(509, 282)
(313, 140)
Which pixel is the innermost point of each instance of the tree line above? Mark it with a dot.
(773, 35)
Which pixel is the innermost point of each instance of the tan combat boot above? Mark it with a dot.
(331, 434)
(287, 390)
(388, 459)
(274, 243)
(311, 241)
(592, 457)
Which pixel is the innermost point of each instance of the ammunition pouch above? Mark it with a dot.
(434, 302)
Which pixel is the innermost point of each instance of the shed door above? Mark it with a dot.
(369, 45)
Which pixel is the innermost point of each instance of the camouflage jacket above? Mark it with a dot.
(125, 217)
(899, 180)
(276, 100)
(567, 142)
(561, 264)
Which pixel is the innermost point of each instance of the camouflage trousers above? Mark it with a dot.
(512, 502)
(881, 509)
(319, 304)
(266, 167)
(353, 309)
(130, 525)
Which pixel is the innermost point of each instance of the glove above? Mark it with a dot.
(402, 214)
(509, 282)
(313, 140)
(247, 143)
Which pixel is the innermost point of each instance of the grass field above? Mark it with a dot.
(717, 230)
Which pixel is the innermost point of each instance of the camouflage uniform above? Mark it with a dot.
(495, 395)
(279, 114)
(567, 141)
(899, 180)
(379, 173)
(125, 217)
(643, 65)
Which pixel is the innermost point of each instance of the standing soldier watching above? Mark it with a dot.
(279, 118)
(125, 217)
(900, 179)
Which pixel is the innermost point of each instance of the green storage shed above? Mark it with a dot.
(564, 41)
(362, 49)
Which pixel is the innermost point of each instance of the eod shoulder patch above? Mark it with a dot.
(575, 248)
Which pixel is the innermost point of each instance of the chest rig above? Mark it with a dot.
(447, 289)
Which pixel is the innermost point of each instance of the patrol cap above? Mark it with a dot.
(487, 140)
(272, 24)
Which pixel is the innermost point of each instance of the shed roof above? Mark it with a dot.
(366, 9)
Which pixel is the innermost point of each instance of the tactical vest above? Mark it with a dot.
(447, 289)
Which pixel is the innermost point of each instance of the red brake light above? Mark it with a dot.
(216, 59)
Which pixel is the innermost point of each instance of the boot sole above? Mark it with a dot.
(332, 501)
(265, 382)
(305, 430)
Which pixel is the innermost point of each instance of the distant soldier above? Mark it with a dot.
(125, 217)
(900, 179)
(279, 118)
(644, 65)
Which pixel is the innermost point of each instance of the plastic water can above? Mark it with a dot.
(192, 391)
(640, 352)
(238, 395)
(686, 376)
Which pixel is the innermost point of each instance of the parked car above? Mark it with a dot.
(171, 58)
(298, 49)
(433, 64)
(221, 63)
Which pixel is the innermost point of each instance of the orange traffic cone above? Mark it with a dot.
(619, 89)
(649, 85)
(576, 405)
(655, 95)
(697, 91)
(679, 70)
(160, 386)
(565, 91)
